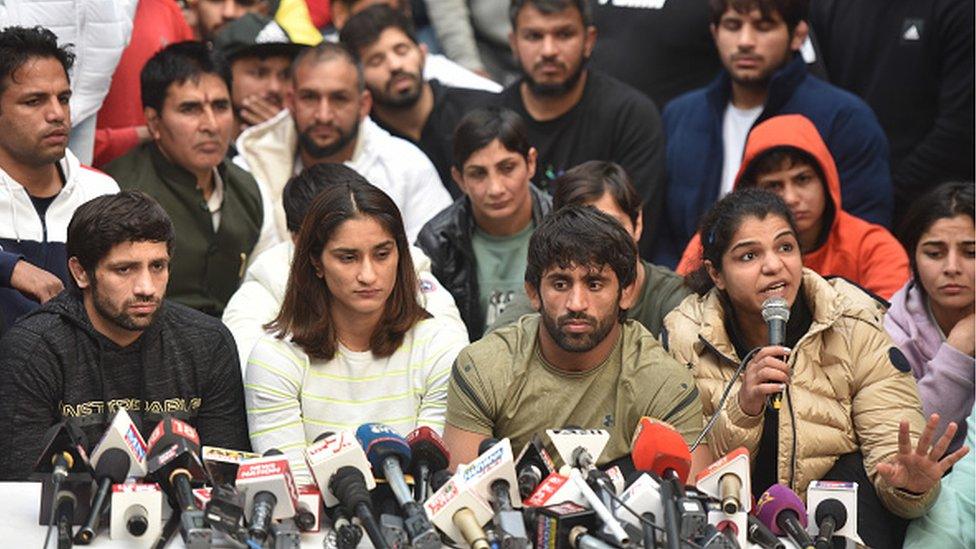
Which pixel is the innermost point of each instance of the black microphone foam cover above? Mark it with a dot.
(834, 508)
(349, 486)
(486, 444)
(323, 436)
(439, 478)
(113, 464)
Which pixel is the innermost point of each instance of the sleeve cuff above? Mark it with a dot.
(738, 417)
(8, 261)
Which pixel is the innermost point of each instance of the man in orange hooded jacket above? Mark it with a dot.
(786, 155)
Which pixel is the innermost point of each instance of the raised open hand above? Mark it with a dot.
(920, 469)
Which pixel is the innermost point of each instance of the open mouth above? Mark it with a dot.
(776, 288)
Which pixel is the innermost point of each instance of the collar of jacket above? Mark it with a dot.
(464, 217)
(781, 87)
(172, 173)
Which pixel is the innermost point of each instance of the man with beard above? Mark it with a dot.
(575, 114)
(111, 341)
(259, 54)
(326, 120)
(578, 362)
(222, 219)
(43, 181)
(764, 76)
(422, 112)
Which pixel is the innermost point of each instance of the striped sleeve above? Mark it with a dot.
(272, 387)
(444, 347)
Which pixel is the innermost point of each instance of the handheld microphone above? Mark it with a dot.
(349, 487)
(509, 524)
(728, 481)
(270, 492)
(64, 511)
(580, 538)
(225, 509)
(136, 511)
(780, 509)
(579, 448)
(329, 453)
(430, 454)
(758, 534)
(63, 453)
(174, 463)
(123, 434)
(554, 523)
(389, 454)
(845, 493)
(439, 479)
(660, 449)
(532, 465)
(112, 467)
(776, 313)
(831, 515)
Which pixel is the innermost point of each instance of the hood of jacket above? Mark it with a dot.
(798, 132)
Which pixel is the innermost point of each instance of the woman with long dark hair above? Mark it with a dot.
(931, 318)
(850, 408)
(351, 344)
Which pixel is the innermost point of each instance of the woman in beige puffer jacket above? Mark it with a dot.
(846, 388)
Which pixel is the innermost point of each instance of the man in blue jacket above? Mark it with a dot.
(764, 76)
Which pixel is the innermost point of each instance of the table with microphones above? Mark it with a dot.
(375, 487)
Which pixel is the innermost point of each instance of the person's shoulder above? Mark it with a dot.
(815, 91)
(130, 164)
(48, 325)
(839, 300)
(644, 357)
(658, 276)
(688, 103)
(438, 332)
(445, 220)
(613, 94)
(191, 324)
(400, 155)
(502, 348)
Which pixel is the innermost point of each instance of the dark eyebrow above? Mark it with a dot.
(385, 244)
(743, 244)
(187, 104)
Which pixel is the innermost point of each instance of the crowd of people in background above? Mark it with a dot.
(277, 218)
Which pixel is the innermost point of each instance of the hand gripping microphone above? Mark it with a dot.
(389, 454)
(174, 463)
(532, 465)
(112, 466)
(269, 492)
(831, 515)
(429, 456)
(776, 313)
(780, 509)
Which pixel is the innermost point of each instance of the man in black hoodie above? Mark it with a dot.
(111, 341)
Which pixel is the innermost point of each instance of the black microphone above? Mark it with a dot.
(830, 515)
(64, 511)
(758, 534)
(349, 487)
(776, 313)
(438, 479)
(112, 467)
(532, 465)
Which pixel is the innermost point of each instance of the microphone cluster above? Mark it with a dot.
(363, 480)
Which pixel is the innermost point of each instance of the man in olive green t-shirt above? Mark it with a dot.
(576, 363)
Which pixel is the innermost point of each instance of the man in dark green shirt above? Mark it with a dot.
(606, 187)
(578, 362)
(219, 213)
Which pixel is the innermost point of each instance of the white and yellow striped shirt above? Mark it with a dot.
(291, 399)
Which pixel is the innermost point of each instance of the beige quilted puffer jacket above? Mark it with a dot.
(845, 393)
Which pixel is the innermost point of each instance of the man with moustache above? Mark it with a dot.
(575, 114)
(222, 219)
(579, 361)
(111, 341)
(422, 112)
(325, 121)
(764, 75)
(43, 182)
(259, 53)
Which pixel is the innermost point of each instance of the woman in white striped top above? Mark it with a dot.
(351, 344)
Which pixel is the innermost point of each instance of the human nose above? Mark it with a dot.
(57, 112)
(208, 121)
(577, 300)
(953, 263)
(549, 46)
(367, 272)
(144, 284)
(790, 196)
(231, 10)
(772, 263)
(746, 38)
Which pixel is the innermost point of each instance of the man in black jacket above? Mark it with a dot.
(478, 245)
(111, 341)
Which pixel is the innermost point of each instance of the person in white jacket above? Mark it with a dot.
(41, 182)
(98, 31)
(326, 121)
(259, 298)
